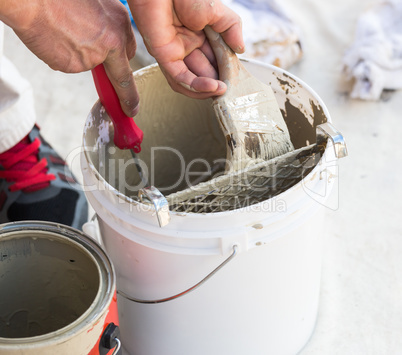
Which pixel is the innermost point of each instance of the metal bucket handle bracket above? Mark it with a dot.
(151, 195)
(206, 278)
(110, 339)
(326, 131)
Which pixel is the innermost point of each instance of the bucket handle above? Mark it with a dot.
(206, 278)
(118, 346)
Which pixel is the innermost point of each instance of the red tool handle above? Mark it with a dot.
(127, 135)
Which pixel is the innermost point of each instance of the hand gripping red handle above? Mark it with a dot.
(127, 135)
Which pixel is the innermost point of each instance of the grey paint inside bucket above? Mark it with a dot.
(182, 137)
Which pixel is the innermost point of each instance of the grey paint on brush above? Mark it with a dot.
(248, 112)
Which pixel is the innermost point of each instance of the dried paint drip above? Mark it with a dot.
(299, 118)
(299, 121)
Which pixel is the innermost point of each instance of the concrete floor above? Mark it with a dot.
(361, 295)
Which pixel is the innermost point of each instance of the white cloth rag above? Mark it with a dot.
(269, 34)
(374, 61)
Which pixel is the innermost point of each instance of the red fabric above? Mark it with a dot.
(22, 166)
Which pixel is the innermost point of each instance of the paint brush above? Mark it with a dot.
(248, 112)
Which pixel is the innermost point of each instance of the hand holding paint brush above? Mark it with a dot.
(173, 34)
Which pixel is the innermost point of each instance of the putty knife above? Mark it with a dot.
(127, 135)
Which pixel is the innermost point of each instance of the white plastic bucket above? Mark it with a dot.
(265, 298)
(57, 291)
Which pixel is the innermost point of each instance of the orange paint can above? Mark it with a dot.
(58, 292)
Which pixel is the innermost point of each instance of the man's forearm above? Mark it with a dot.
(19, 14)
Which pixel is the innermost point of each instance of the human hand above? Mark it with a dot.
(173, 34)
(74, 36)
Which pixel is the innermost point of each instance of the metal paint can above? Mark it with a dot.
(58, 293)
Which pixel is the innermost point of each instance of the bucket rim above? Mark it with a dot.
(148, 208)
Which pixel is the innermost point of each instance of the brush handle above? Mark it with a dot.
(229, 64)
(127, 135)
